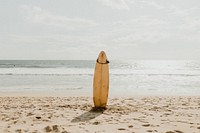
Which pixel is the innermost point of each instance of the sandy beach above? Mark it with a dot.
(161, 114)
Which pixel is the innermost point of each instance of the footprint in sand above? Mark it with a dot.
(121, 129)
(152, 131)
(96, 123)
(18, 130)
(55, 128)
(175, 131)
(130, 126)
(169, 132)
(146, 125)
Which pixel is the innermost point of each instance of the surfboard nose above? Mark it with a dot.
(102, 58)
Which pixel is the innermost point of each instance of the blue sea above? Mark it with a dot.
(127, 78)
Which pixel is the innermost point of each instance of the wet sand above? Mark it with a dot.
(153, 114)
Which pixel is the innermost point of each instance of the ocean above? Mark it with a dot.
(127, 78)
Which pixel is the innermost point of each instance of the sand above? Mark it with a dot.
(153, 114)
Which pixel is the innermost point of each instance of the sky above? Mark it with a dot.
(80, 29)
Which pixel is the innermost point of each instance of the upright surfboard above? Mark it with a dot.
(101, 81)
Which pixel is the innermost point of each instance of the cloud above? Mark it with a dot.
(37, 15)
(190, 30)
(52, 46)
(54, 42)
(191, 24)
(177, 11)
(133, 33)
(153, 4)
(146, 3)
(116, 4)
(134, 39)
(141, 30)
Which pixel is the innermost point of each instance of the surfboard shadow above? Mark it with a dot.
(87, 116)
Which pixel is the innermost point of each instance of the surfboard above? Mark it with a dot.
(101, 81)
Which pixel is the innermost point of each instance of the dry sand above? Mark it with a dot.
(145, 114)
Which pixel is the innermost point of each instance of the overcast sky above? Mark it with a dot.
(80, 29)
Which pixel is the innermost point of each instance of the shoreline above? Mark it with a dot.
(69, 93)
(157, 114)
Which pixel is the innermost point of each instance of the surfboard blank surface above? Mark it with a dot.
(101, 81)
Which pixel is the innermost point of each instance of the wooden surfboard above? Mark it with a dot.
(101, 81)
